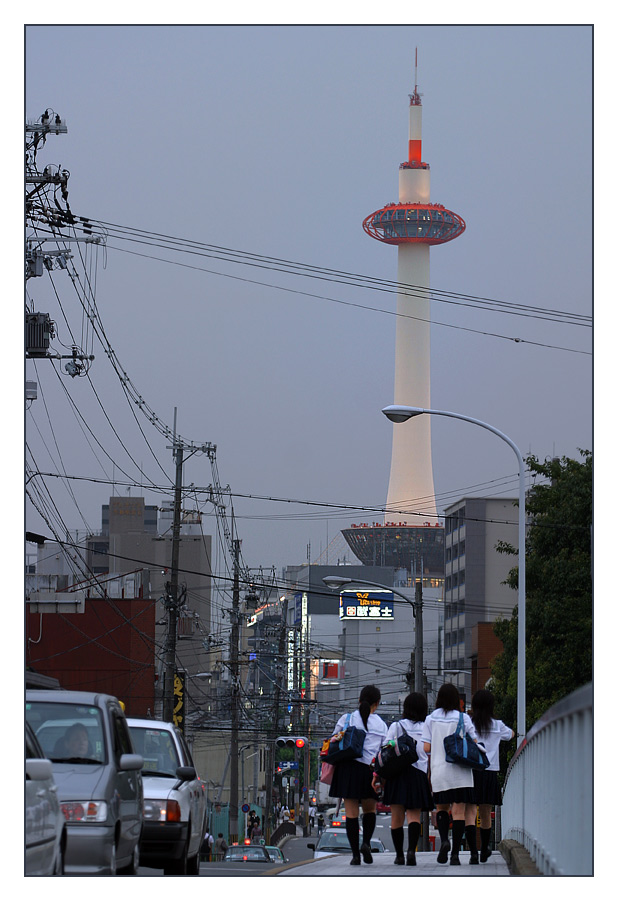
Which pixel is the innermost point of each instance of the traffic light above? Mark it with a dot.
(290, 742)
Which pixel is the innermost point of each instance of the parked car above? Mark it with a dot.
(335, 840)
(276, 855)
(98, 776)
(174, 798)
(382, 809)
(247, 853)
(45, 829)
(333, 818)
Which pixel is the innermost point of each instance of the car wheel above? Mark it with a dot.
(59, 863)
(113, 860)
(192, 865)
(133, 866)
(178, 866)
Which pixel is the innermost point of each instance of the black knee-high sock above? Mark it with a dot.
(458, 830)
(485, 837)
(413, 830)
(398, 839)
(369, 820)
(443, 824)
(352, 827)
(472, 839)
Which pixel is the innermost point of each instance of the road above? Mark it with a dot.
(295, 849)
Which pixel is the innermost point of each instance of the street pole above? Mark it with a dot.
(419, 640)
(398, 414)
(172, 595)
(235, 681)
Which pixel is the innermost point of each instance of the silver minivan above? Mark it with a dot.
(98, 776)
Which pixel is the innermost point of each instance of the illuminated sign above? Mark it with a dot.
(366, 605)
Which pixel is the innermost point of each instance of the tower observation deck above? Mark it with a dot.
(414, 225)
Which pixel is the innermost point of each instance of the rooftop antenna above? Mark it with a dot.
(414, 98)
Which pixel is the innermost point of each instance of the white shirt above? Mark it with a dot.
(414, 730)
(490, 741)
(375, 734)
(446, 776)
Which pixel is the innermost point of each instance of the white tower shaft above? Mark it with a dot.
(411, 472)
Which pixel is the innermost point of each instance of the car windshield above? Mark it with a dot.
(247, 853)
(158, 749)
(338, 841)
(335, 840)
(68, 732)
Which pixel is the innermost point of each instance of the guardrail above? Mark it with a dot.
(548, 795)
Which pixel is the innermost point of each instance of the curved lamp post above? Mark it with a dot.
(337, 582)
(399, 414)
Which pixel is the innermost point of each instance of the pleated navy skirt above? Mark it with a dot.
(486, 788)
(411, 790)
(352, 780)
(454, 795)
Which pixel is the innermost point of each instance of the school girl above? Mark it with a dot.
(452, 784)
(410, 792)
(487, 790)
(352, 779)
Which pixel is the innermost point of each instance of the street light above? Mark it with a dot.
(336, 582)
(399, 414)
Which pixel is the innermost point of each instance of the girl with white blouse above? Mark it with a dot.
(487, 789)
(452, 784)
(409, 793)
(352, 778)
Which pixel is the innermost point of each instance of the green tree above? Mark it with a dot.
(558, 591)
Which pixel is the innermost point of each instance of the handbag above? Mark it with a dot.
(346, 744)
(462, 751)
(327, 771)
(396, 755)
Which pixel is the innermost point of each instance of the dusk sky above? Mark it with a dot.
(279, 141)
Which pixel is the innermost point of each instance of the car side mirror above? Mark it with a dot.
(311, 846)
(131, 762)
(39, 769)
(186, 773)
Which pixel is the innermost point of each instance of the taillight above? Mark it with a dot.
(173, 811)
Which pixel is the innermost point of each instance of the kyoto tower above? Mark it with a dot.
(414, 225)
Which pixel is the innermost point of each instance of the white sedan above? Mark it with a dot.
(45, 828)
(174, 798)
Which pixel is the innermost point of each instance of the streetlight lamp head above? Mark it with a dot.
(401, 413)
(335, 582)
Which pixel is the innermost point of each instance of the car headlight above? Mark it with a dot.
(84, 810)
(162, 811)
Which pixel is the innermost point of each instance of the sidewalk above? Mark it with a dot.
(383, 867)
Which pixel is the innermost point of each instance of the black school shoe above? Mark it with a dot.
(354, 861)
(367, 856)
(411, 858)
(484, 854)
(442, 856)
(399, 860)
(454, 860)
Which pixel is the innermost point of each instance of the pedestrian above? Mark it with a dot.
(220, 847)
(351, 780)
(320, 824)
(487, 790)
(285, 815)
(256, 831)
(452, 784)
(206, 847)
(409, 794)
(311, 817)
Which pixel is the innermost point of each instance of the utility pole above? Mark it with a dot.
(172, 592)
(281, 673)
(419, 682)
(419, 640)
(235, 682)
